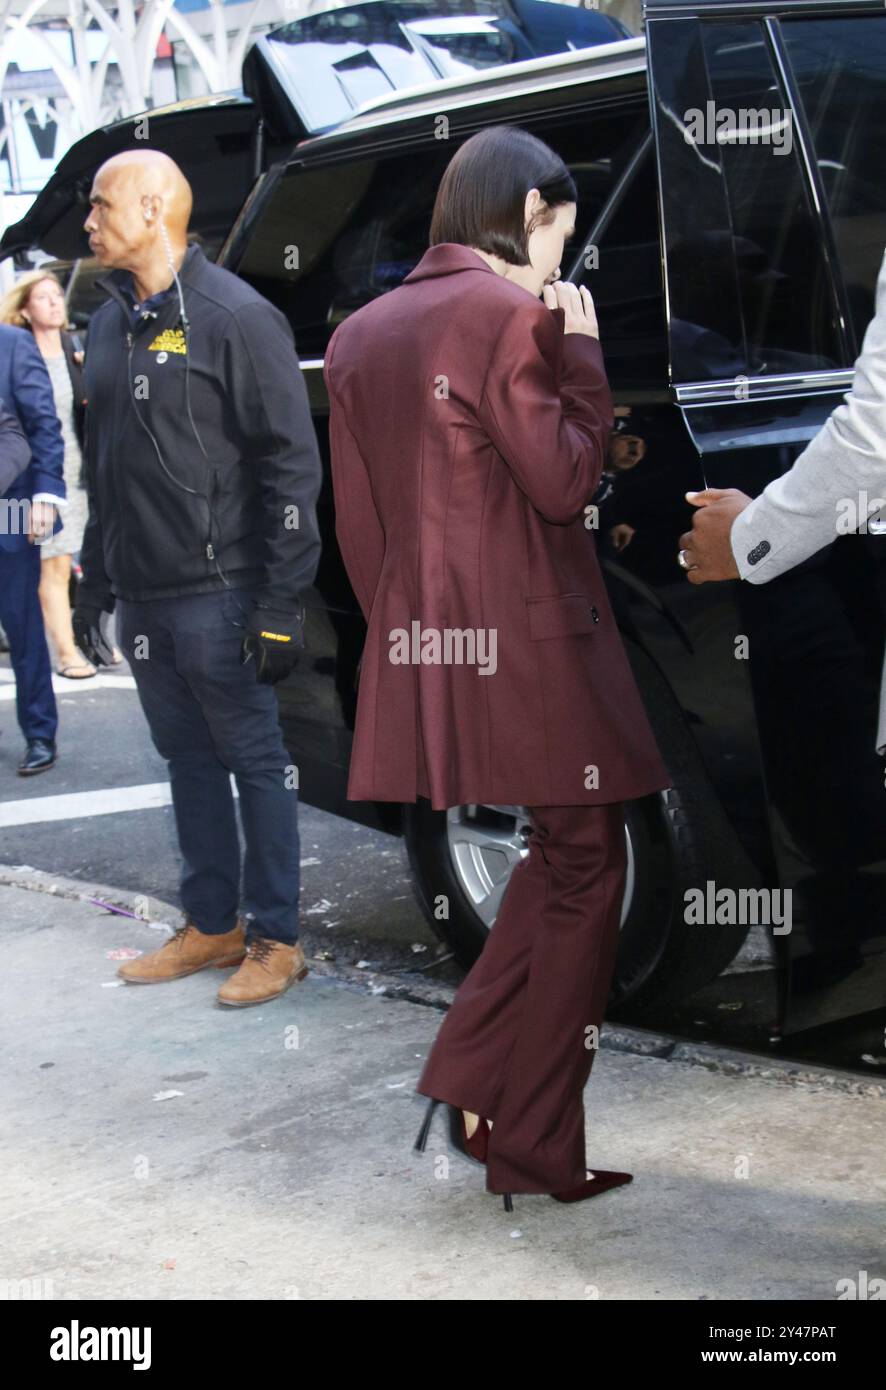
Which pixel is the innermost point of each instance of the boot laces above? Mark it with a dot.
(259, 949)
(179, 934)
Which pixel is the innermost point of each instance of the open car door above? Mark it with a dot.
(773, 230)
(200, 135)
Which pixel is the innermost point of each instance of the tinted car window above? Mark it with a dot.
(749, 289)
(331, 239)
(840, 66)
(626, 284)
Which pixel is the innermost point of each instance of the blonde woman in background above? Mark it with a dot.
(37, 303)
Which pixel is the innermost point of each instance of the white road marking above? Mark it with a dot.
(61, 686)
(75, 805)
(107, 801)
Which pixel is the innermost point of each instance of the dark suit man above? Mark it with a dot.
(203, 472)
(30, 515)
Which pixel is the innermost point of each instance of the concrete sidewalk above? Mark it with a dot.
(156, 1145)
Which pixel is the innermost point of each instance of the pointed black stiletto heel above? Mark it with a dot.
(422, 1139)
(509, 1205)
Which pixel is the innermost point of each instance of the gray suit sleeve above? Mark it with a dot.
(814, 502)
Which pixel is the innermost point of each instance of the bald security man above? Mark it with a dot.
(203, 473)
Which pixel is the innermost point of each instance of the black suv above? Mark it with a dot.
(732, 220)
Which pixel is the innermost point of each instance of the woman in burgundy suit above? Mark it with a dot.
(469, 422)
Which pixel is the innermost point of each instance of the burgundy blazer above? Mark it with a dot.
(467, 437)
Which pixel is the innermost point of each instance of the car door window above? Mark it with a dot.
(331, 238)
(622, 270)
(750, 292)
(840, 69)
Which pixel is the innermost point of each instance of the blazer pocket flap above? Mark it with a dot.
(561, 615)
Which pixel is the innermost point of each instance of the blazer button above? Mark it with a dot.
(594, 614)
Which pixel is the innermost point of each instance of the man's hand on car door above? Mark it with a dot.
(705, 551)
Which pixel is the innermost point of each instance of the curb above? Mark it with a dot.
(639, 1042)
(150, 912)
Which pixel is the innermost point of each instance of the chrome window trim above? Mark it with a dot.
(722, 392)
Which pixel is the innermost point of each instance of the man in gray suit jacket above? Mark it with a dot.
(840, 477)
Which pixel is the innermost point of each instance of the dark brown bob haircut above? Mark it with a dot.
(482, 194)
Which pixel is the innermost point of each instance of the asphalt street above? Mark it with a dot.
(103, 815)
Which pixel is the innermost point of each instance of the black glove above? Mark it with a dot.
(88, 635)
(273, 638)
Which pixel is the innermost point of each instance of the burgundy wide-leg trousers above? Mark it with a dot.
(519, 1040)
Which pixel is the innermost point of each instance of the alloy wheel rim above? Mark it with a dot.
(486, 842)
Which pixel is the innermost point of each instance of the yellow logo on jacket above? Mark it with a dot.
(170, 340)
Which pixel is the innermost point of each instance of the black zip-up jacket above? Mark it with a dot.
(163, 519)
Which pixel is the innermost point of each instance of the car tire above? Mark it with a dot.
(462, 859)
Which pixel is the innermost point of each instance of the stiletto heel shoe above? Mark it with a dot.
(474, 1145)
(600, 1182)
(506, 1198)
(422, 1139)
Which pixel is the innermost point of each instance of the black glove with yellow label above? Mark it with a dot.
(273, 639)
(86, 621)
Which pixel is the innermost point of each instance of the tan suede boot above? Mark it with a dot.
(187, 951)
(269, 969)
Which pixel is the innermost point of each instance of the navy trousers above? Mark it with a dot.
(209, 717)
(22, 618)
(519, 1039)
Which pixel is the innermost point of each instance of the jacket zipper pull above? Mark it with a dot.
(210, 553)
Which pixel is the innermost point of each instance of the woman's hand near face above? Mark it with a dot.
(581, 317)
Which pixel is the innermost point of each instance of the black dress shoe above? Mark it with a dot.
(39, 756)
